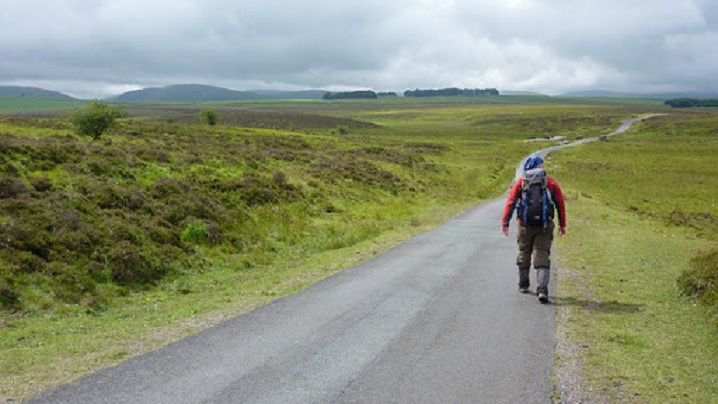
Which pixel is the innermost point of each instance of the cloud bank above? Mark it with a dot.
(97, 48)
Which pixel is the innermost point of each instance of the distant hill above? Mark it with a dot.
(199, 92)
(30, 92)
(617, 94)
(185, 93)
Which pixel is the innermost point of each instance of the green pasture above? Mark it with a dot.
(450, 102)
(163, 227)
(643, 223)
(33, 105)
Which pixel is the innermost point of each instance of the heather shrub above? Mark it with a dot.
(72, 284)
(257, 189)
(41, 183)
(701, 280)
(9, 297)
(12, 187)
(131, 265)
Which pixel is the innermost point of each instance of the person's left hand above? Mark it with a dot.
(562, 231)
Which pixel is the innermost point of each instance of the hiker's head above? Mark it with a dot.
(533, 162)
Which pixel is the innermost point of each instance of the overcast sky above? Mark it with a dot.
(98, 48)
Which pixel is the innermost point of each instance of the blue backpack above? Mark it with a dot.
(535, 207)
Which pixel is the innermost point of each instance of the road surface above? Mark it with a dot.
(437, 319)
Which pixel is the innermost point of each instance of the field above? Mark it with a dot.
(643, 246)
(163, 226)
(29, 106)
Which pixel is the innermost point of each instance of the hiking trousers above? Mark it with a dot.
(536, 242)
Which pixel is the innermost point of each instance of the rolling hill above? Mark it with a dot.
(185, 93)
(199, 93)
(30, 92)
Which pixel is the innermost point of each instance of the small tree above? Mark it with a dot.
(96, 118)
(209, 117)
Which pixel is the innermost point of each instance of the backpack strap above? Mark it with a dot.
(521, 206)
(544, 198)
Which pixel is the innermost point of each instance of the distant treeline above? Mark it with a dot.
(691, 102)
(349, 94)
(451, 92)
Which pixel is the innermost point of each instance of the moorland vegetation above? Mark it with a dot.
(163, 225)
(639, 280)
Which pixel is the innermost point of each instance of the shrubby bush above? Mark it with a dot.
(96, 119)
(209, 117)
(256, 189)
(701, 281)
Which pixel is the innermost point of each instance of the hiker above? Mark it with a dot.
(535, 197)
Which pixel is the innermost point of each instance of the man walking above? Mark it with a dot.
(535, 197)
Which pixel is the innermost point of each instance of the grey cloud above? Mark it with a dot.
(541, 45)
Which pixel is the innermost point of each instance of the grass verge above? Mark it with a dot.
(638, 219)
(636, 338)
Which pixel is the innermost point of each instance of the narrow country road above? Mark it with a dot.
(437, 319)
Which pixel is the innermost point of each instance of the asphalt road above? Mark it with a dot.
(436, 319)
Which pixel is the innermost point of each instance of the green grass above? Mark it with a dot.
(55, 106)
(181, 225)
(449, 102)
(664, 170)
(641, 208)
(30, 105)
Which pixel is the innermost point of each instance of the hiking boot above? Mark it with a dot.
(543, 276)
(543, 295)
(524, 280)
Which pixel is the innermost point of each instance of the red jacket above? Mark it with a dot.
(515, 193)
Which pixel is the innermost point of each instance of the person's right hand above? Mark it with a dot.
(505, 230)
